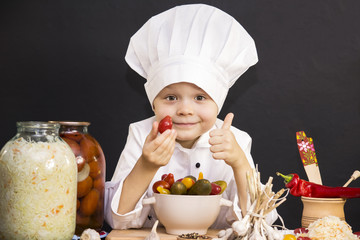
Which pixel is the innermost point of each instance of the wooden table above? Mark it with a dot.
(132, 234)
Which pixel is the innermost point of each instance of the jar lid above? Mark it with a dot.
(71, 123)
(38, 124)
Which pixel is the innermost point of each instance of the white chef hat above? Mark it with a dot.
(193, 43)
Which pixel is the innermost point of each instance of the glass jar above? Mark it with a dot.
(38, 178)
(91, 175)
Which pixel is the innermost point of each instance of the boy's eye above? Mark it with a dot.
(170, 98)
(200, 98)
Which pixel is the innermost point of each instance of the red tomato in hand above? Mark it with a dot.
(160, 183)
(164, 124)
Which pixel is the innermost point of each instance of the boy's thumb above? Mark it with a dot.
(154, 130)
(228, 121)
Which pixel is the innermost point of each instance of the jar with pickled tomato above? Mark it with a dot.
(38, 181)
(91, 175)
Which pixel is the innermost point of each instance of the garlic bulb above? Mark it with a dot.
(90, 234)
(153, 235)
(262, 201)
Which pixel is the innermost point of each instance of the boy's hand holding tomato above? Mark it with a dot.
(158, 148)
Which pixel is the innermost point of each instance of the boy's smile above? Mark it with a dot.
(192, 110)
(184, 124)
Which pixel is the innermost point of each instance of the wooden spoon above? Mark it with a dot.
(354, 176)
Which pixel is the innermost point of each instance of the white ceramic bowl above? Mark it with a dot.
(181, 214)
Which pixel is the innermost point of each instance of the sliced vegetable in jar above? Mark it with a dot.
(39, 190)
(84, 173)
(80, 161)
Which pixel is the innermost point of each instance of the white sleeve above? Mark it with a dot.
(113, 188)
(245, 141)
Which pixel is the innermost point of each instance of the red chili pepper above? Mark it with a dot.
(299, 187)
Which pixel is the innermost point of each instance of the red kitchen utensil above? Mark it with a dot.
(308, 157)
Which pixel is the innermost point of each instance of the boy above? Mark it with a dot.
(190, 55)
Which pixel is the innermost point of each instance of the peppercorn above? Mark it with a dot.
(193, 235)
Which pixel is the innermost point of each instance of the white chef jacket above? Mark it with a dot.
(183, 162)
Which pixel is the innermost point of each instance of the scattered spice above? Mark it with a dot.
(193, 235)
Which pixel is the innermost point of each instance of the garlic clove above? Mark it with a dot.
(90, 234)
(153, 234)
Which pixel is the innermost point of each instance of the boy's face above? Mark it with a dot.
(192, 110)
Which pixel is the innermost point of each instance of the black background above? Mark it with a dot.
(64, 60)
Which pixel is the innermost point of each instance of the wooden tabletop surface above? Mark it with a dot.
(132, 234)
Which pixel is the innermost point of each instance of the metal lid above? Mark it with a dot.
(71, 123)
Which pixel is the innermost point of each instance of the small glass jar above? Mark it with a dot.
(91, 175)
(38, 178)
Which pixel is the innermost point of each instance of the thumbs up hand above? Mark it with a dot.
(224, 145)
(228, 121)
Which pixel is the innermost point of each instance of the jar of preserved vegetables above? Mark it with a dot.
(38, 178)
(91, 175)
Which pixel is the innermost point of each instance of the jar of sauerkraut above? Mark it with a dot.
(38, 177)
(91, 175)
